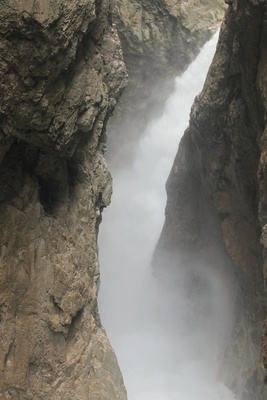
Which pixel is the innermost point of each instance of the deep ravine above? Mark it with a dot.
(152, 331)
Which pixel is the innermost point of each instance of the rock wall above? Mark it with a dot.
(159, 39)
(61, 72)
(164, 36)
(216, 208)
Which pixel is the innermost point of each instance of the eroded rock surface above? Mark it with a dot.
(164, 35)
(216, 206)
(61, 74)
(159, 40)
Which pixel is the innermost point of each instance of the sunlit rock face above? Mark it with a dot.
(61, 74)
(216, 206)
(159, 40)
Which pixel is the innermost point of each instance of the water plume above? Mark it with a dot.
(168, 340)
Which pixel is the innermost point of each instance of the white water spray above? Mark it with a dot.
(160, 354)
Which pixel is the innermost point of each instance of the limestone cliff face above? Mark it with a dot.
(159, 39)
(216, 206)
(61, 72)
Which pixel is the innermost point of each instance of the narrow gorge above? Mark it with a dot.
(162, 334)
(72, 74)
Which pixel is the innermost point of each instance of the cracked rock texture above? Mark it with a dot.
(61, 73)
(159, 39)
(216, 207)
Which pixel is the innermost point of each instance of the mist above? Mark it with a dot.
(169, 338)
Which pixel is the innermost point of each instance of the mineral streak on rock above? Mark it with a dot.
(217, 186)
(61, 72)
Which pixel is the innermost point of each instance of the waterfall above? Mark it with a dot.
(159, 358)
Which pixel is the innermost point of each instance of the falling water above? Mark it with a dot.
(160, 355)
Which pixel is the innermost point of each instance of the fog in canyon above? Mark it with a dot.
(169, 339)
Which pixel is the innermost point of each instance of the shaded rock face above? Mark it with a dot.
(61, 75)
(159, 40)
(164, 35)
(216, 207)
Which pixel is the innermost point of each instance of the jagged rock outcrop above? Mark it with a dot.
(216, 207)
(61, 74)
(164, 36)
(159, 40)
